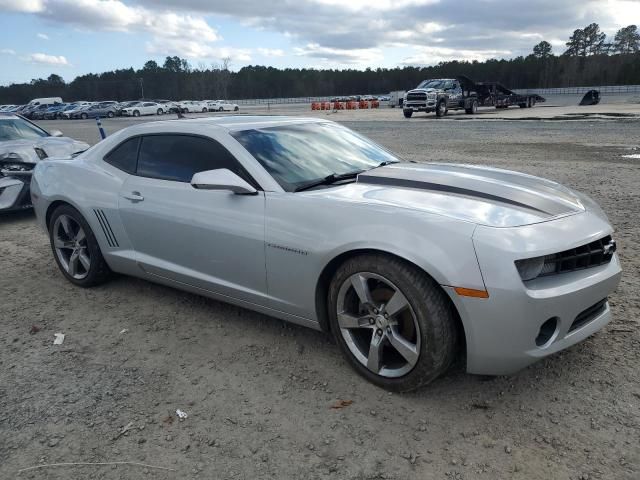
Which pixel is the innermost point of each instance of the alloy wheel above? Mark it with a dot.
(70, 243)
(378, 324)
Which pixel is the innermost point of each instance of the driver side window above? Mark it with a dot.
(179, 157)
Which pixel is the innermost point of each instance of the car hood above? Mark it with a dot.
(426, 90)
(482, 195)
(23, 150)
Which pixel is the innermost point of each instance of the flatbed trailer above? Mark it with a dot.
(496, 94)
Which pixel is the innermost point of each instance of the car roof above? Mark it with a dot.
(234, 123)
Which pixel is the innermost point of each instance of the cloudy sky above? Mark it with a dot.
(72, 37)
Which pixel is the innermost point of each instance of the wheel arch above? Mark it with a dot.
(327, 273)
(52, 208)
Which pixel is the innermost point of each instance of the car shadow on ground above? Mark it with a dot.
(17, 216)
(322, 353)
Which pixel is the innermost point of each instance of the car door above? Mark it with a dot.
(455, 95)
(213, 240)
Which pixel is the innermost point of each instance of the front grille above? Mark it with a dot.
(589, 314)
(590, 255)
(416, 96)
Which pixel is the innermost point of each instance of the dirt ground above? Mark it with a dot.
(258, 392)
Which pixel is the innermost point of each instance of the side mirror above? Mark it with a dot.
(222, 179)
(56, 133)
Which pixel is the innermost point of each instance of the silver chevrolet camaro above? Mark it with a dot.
(409, 265)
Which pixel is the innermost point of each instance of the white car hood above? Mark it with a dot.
(23, 150)
(482, 195)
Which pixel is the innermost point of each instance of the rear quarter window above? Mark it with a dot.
(125, 155)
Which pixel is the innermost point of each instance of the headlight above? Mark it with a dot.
(531, 268)
(15, 168)
(41, 153)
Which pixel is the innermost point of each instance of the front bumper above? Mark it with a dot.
(502, 331)
(15, 193)
(426, 106)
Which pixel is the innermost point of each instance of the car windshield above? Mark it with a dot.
(19, 129)
(295, 155)
(433, 84)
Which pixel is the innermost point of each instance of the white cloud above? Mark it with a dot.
(43, 58)
(8, 51)
(271, 52)
(118, 16)
(25, 6)
(43, 36)
(196, 50)
(332, 55)
(434, 55)
(360, 5)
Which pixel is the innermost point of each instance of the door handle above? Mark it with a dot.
(134, 197)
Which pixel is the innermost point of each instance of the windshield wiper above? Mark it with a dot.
(328, 180)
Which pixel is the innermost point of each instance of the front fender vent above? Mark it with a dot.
(106, 228)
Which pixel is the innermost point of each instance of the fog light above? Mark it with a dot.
(547, 332)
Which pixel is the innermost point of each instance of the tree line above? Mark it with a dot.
(589, 59)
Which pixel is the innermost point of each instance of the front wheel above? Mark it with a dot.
(407, 113)
(236, 108)
(220, 109)
(76, 249)
(136, 113)
(110, 114)
(393, 323)
(441, 109)
(84, 116)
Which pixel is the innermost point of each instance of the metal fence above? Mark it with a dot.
(605, 90)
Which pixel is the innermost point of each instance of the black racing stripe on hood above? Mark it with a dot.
(398, 182)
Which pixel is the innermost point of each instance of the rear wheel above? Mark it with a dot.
(84, 116)
(392, 322)
(76, 249)
(220, 109)
(236, 108)
(159, 111)
(204, 110)
(441, 109)
(407, 113)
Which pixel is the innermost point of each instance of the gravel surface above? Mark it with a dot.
(258, 392)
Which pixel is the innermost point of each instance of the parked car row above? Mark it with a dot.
(357, 98)
(134, 108)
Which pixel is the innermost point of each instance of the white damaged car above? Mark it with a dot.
(22, 145)
(408, 265)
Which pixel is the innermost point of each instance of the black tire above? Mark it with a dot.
(110, 114)
(529, 105)
(441, 109)
(204, 110)
(220, 109)
(159, 111)
(236, 109)
(99, 272)
(522, 105)
(434, 313)
(473, 109)
(136, 113)
(407, 113)
(84, 116)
